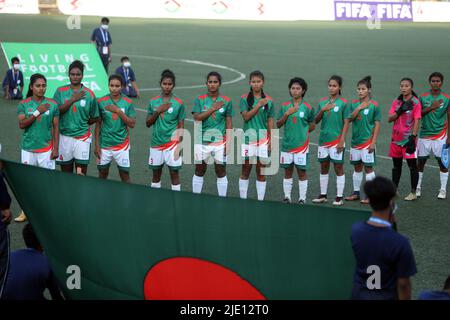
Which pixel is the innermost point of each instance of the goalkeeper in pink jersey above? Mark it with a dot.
(405, 113)
(435, 130)
(257, 109)
(333, 113)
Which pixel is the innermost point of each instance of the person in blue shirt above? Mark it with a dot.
(130, 88)
(384, 258)
(102, 39)
(29, 272)
(437, 295)
(13, 82)
(5, 219)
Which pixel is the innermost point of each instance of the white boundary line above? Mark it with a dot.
(311, 143)
(241, 76)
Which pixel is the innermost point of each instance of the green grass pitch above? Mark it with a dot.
(313, 50)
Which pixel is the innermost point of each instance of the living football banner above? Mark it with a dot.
(109, 240)
(53, 60)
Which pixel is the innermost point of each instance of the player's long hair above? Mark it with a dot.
(167, 74)
(251, 96)
(400, 97)
(33, 79)
(338, 79)
(299, 81)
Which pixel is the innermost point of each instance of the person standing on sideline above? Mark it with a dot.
(215, 112)
(112, 131)
(257, 109)
(384, 258)
(13, 81)
(365, 116)
(166, 113)
(406, 112)
(434, 131)
(130, 88)
(333, 112)
(297, 118)
(78, 111)
(102, 39)
(38, 116)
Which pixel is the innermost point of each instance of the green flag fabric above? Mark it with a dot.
(134, 242)
(53, 60)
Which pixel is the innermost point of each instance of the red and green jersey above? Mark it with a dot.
(74, 122)
(114, 133)
(214, 127)
(296, 128)
(256, 128)
(38, 137)
(434, 123)
(332, 121)
(364, 123)
(167, 122)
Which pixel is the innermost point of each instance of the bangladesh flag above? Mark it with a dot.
(108, 240)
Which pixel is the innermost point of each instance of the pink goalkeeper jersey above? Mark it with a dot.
(403, 126)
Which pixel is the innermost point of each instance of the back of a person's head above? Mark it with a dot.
(31, 241)
(447, 283)
(380, 192)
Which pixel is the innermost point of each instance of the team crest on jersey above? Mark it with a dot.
(366, 112)
(83, 103)
(170, 110)
(336, 109)
(221, 110)
(302, 114)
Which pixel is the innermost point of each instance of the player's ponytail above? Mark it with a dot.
(33, 79)
(251, 96)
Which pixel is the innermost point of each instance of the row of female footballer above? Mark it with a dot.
(66, 137)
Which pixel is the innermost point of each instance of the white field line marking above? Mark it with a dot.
(240, 77)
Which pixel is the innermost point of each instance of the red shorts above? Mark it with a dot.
(397, 151)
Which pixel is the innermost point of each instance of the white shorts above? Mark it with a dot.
(208, 152)
(358, 156)
(122, 158)
(330, 153)
(39, 159)
(158, 158)
(299, 159)
(426, 147)
(71, 148)
(253, 150)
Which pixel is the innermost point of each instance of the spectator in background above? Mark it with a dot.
(130, 88)
(102, 39)
(5, 219)
(437, 295)
(13, 81)
(384, 258)
(29, 272)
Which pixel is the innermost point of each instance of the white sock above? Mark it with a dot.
(156, 185)
(176, 187)
(357, 179)
(261, 189)
(323, 183)
(222, 186)
(444, 179)
(243, 188)
(197, 184)
(287, 187)
(340, 184)
(302, 189)
(419, 183)
(370, 176)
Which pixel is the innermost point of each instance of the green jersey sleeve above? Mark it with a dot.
(229, 109)
(271, 109)
(20, 109)
(131, 112)
(197, 106)
(93, 113)
(182, 113)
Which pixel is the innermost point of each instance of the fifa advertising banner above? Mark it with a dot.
(19, 6)
(265, 10)
(53, 60)
(363, 10)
